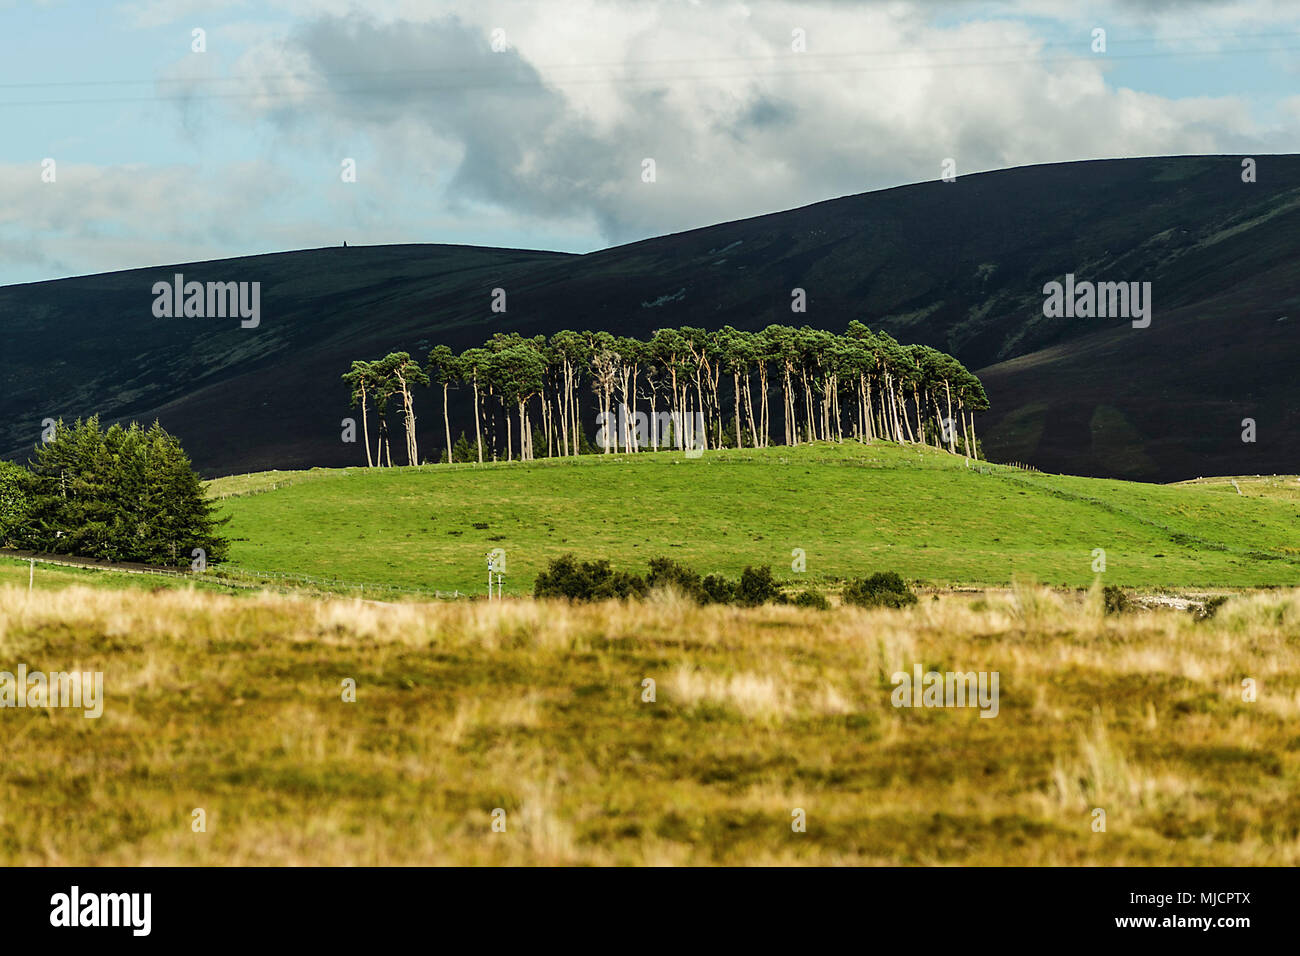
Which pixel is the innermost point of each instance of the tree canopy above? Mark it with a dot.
(121, 494)
(527, 392)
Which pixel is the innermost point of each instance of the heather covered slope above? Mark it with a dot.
(255, 397)
(1165, 403)
(956, 265)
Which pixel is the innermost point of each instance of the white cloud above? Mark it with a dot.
(545, 142)
(737, 123)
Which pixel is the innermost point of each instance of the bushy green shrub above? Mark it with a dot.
(1115, 598)
(566, 577)
(811, 598)
(1210, 607)
(883, 589)
(665, 572)
(463, 451)
(718, 590)
(757, 586)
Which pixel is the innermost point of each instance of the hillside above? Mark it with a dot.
(852, 509)
(956, 265)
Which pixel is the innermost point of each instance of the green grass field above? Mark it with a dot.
(853, 510)
(14, 571)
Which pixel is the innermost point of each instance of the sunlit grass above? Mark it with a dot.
(851, 509)
(234, 705)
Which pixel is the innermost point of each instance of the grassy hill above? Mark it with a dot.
(956, 265)
(853, 510)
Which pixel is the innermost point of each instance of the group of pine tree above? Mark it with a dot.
(861, 385)
(122, 494)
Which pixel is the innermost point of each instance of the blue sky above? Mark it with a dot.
(163, 154)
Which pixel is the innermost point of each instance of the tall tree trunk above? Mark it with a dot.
(446, 420)
(636, 438)
(907, 420)
(546, 421)
(699, 397)
(749, 408)
(365, 428)
(549, 421)
(524, 431)
(866, 392)
(478, 423)
(893, 410)
(576, 402)
(654, 419)
(604, 410)
(920, 428)
(717, 411)
(952, 432)
(412, 445)
(791, 433)
(807, 405)
(740, 425)
(563, 402)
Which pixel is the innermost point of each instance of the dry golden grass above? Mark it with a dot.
(234, 705)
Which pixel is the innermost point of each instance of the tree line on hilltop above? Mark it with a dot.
(861, 385)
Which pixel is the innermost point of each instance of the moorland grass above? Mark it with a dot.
(234, 705)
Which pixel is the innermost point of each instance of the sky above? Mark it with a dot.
(130, 140)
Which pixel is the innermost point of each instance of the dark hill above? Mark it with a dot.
(956, 265)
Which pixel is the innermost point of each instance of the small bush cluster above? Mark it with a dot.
(1210, 607)
(567, 577)
(885, 589)
(1115, 599)
(813, 599)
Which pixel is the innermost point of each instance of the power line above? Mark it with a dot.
(541, 82)
(700, 60)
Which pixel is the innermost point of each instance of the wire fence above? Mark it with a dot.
(233, 576)
(336, 583)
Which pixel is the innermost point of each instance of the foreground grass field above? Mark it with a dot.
(852, 509)
(234, 705)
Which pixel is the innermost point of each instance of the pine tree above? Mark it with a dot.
(120, 495)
